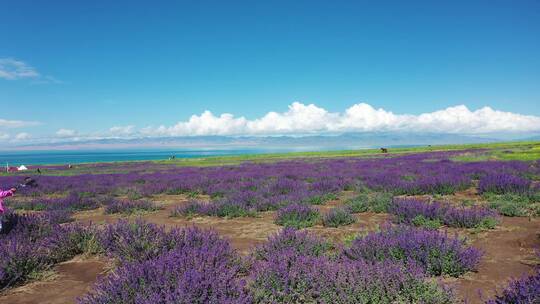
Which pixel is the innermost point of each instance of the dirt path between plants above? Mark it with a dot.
(70, 280)
(509, 252)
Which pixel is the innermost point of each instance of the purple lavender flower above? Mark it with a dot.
(297, 216)
(524, 290)
(301, 242)
(338, 217)
(503, 183)
(288, 277)
(435, 252)
(129, 207)
(409, 210)
(201, 268)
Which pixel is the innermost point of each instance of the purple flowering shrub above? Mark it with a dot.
(200, 268)
(140, 241)
(433, 251)
(19, 261)
(220, 208)
(191, 208)
(289, 277)
(225, 208)
(471, 217)
(421, 213)
(135, 241)
(524, 290)
(426, 183)
(340, 216)
(129, 207)
(377, 202)
(300, 242)
(503, 183)
(359, 203)
(72, 202)
(33, 243)
(297, 216)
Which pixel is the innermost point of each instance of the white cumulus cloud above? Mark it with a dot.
(66, 133)
(122, 130)
(362, 117)
(12, 69)
(204, 124)
(22, 136)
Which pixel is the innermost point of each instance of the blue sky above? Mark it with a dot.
(100, 64)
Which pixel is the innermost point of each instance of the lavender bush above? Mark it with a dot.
(297, 216)
(418, 212)
(375, 202)
(524, 290)
(503, 183)
(338, 217)
(300, 242)
(135, 241)
(434, 251)
(220, 208)
(201, 268)
(33, 243)
(129, 207)
(358, 203)
(72, 202)
(291, 278)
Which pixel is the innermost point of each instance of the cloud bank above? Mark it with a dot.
(311, 119)
(304, 119)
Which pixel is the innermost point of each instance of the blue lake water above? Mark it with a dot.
(93, 156)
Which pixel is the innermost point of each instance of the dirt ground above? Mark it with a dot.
(508, 253)
(508, 249)
(70, 280)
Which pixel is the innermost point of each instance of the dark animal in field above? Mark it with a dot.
(27, 182)
(384, 150)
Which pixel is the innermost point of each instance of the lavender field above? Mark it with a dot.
(426, 227)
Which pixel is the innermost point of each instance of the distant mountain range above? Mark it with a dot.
(532, 138)
(342, 141)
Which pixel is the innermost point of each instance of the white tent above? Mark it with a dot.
(22, 168)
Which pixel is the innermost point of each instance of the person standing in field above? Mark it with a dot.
(4, 194)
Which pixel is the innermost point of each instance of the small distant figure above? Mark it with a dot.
(28, 182)
(384, 150)
(70, 166)
(38, 171)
